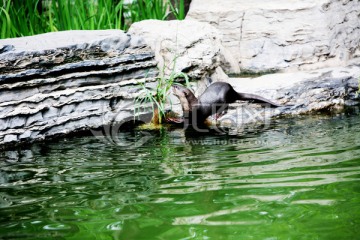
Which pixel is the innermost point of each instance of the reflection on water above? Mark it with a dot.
(297, 180)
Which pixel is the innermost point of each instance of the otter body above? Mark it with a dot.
(214, 100)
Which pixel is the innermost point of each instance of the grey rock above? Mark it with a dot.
(10, 138)
(17, 122)
(25, 135)
(278, 35)
(326, 90)
(57, 83)
(195, 47)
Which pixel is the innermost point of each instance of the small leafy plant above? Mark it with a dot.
(158, 96)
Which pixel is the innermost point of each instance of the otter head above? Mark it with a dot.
(186, 97)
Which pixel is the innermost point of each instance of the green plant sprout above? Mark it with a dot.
(158, 96)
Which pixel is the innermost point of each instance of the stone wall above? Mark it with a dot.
(326, 90)
(292, 35)
(62, 82)
(59, 83)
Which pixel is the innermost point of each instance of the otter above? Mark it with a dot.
(214, 100)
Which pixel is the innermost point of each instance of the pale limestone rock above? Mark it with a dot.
(58, 83)
(9, 138)
(278, 35)
(194, 47)
(323, 90)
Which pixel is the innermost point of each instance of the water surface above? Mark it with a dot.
(298, 179)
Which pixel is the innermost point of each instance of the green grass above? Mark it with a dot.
(155, 9)
(159, 95)
(24, 18)
(178, 9)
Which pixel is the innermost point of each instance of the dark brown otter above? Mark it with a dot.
(214, 100)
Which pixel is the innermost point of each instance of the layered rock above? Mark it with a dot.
(326, 90)
(62, 82)
(278, 35)
(322, 90)
(59, 83)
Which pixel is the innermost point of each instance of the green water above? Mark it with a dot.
(297, 179)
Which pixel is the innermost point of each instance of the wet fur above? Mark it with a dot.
(215, 99)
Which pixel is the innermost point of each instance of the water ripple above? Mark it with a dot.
(306, 183)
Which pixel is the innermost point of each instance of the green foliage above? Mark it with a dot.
(145, 9)
(19, 17)
(178, 9)
(158, 96)
(91, 15)
(30, 17)
(23, 18)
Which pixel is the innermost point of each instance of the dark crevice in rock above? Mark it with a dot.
(85, 66)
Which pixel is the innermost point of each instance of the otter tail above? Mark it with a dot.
(256, 99)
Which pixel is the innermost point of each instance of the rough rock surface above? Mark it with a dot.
(195, 47)
(325, 90)
(272, 35)
(58, 83)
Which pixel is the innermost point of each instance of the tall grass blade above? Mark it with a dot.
(23, 18)
(6, 23)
